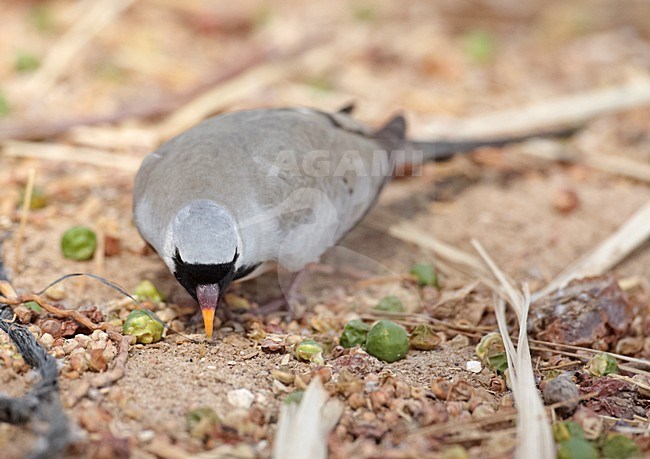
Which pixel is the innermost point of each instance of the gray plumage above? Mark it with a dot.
(287, 206)
(248, 188)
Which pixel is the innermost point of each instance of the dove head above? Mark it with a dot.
(204, 244)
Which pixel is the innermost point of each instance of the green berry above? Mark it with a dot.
(38, 201)
(78, 243)
(146, 291)
(294, 397)
(390, 304)
(424, 338)
(490, 345)
(576, 448)
(310, 351)
(25, 62)
(354, 333)
(564, 431)
(425, 275)
(602, 364)
(143, 326)
(387, 341)
(200, 422)
(617, 446)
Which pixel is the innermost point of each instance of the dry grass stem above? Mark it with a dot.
(97, 15)
(67, 153)
(534, 435)
(27, 199)
(572, 110)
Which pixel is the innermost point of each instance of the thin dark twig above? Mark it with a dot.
(123, 292)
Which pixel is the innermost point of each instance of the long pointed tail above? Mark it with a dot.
(444, 150)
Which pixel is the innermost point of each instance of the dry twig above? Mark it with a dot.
(9, 297)
(27, 200)
(572, 110)
(67, 153)
(534, 436)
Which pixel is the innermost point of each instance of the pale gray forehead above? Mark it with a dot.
(205, 234)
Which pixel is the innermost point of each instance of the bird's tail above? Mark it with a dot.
(441, 150)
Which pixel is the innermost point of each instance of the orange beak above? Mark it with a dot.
(208, 297)
(208, 321)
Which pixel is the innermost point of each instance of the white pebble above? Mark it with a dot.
(99, 335)
(46, 340)
(83, 340)
(241, 398)
(56, 292)
(145, 436)
(70, 345)
(474, 366)
(211, 367)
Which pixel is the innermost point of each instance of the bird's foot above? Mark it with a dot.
(289, 298)
(280, 304)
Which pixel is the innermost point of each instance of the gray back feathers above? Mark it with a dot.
(294, 181)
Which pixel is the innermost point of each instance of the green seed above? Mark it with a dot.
(390, 304)
(78, 243)
(38, 201)
(425, 275)
(201, 422)
(602, 364)
(617, 446)
(387, 341)
(424, 338)
(310, 351)
(294, 397)
(33, 305)
(145, 328)
(498, 362)
(25, 62)
(146, 291)
(354, 333)
(491, 344)
(564, 431)
(480, 46)
(5, 108)
(576, 448)
(41, 18)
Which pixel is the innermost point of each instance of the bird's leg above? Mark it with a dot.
(288, 297)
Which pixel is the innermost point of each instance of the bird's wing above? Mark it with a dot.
(295, 179)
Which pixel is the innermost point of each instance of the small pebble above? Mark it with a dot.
(561, 389)
(99, 335)
(241, 398)
(35, 330)
(474, 366)
(70, 345)
(145, 436)
(56, 292)
(46, 340)
(83, 340)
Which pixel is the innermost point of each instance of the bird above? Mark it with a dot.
(247, 191)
